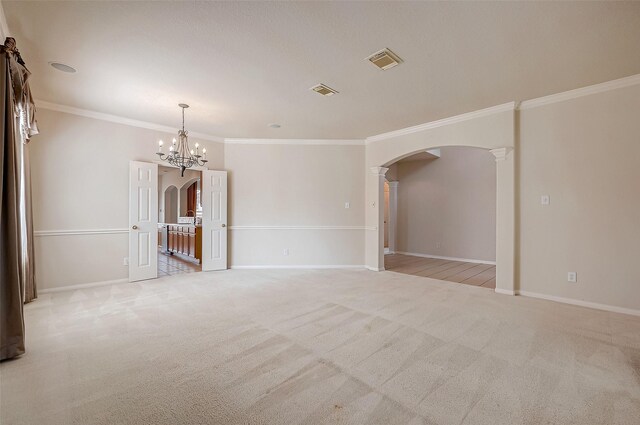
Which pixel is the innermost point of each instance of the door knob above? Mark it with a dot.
(224, 225)
(134, 227)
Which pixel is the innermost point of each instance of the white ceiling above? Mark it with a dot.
(244, 65)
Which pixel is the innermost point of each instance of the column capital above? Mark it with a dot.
(380, 171)
(393, 184)
(501, 153)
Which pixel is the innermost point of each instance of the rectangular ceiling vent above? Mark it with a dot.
(384, 59)
(324, 90)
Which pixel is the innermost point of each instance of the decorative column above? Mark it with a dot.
(393, 215)
(505, 221)
(377, 204)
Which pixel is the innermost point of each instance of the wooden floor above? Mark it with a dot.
(453, 271)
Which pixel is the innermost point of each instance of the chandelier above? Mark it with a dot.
(180, 155)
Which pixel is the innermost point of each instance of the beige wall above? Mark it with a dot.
(585, 154)
(582, 152)
(447, 206)
(80, 175)
(295, 185)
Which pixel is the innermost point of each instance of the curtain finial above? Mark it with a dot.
(10, 47)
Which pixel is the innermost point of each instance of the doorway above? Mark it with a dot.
(179, 222)
(446, 215)
(198, 236)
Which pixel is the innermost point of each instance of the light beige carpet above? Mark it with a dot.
(319, 347)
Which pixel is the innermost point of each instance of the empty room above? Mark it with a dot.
(318, 212)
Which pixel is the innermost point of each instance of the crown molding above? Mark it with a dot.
(443, 122)
(4, 27)
(167, 129)
(321, 142)
(510, 106)
(121, 120)
(583, 91)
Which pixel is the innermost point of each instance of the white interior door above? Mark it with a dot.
(143, 221)
(214, 220)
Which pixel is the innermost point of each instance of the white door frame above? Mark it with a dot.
(393, 216)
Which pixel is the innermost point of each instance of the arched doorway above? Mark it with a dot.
(444, 205)
(170, 205)
(492, 129)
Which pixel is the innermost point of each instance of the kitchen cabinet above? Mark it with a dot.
(185, 240)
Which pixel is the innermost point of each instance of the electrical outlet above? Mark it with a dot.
(347, 205)
(286, 251)
(572, 277)
(438, 245)
(545, 200)
(125, 261)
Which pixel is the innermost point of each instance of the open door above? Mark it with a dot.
(143, 221)
(214, 220)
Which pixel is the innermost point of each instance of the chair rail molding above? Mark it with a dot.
(76, 232)
(298, 228)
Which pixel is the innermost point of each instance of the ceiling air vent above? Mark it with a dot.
(324, 90)
(384, 59)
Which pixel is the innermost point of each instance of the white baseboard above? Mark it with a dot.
(318, 266)
(597, 306)
(438, 257)
(81, 286)
(374, 269)
(505, 291)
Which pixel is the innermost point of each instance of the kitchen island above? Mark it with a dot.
(185, 239)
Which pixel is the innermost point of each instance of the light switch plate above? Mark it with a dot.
(347, 205)
(286, 251)
(572, 277)
(545, 200)
(125, 261)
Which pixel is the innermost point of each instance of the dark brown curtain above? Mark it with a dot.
(17, 273)
(12, 332)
